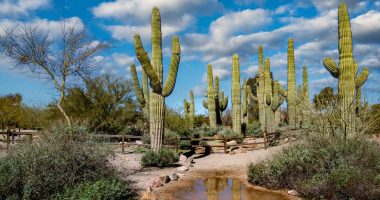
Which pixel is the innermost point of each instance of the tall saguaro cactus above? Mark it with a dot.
(154, 70)
(210, 103)
(291, 96)
(236, 94)
(244, 103)
(346, 72)
(260, 90)
(221, 102)
(189, 110)
(306, 100)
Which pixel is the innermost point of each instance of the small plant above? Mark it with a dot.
(206, 131)
(163, 158)
(229, 134)
(327, 166)
(106, 188)
(253, 130)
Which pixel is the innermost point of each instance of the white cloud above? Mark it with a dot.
(117, 63)
(15, 8)
(366, 27)
(353, 5)
(135, 15)
(199, 90)
(251, 70)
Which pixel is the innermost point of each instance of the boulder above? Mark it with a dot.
(139, 142)
(200, 150)
(182, 168)
(182, 158)
(174, 177)
(293, 193)
(164, 179)
(154, 183)
(232, 153)
(232, 142)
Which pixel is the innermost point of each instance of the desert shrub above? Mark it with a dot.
(105, 188)
(253, 129)
(39, 170)
(170, 137)
(139, 149)
(229, 133)
(164, 158)
(324, 167)
(206, 131)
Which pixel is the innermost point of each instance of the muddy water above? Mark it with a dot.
(214, 188)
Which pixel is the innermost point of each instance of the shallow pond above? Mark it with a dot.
(214, 188)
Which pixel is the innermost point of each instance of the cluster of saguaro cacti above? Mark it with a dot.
(291, 92)
(216, 103)
(236, 94)
(189, 110)
(154, 70)
(346, 72)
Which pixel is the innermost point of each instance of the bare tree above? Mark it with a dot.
(60, 59)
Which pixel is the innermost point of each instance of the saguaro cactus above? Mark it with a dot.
(260, 90)
(236, 96)
(219, 103)
(300, 106)
(154, 70)
(291, 95)
(346, 72)
(244, 103)
(306, 100)
(210, 103)
(189, 110)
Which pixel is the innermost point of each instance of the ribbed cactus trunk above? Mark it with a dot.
(244, 103)
(291, 98)
(211, 97)
(260, 90)
(306, 100)
(191, 110)
(346, 72)
(277, 100)
(299, 107)
(269, 115)
(236, 96)
(154, 70)
(358, 99)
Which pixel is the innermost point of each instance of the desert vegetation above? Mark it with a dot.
(330, 154)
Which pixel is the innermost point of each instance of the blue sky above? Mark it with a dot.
(210, 31)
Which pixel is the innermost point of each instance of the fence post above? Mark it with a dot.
(31, 137)
(122, 143)
(8, 139)
(176, 144)
(265, 139)
(225, 145)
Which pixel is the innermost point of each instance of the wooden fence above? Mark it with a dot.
(130, 140)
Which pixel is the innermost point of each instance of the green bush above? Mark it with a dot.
(229, 134)
(206, 131)
(39, 170)
(164, 158)
(253, 129)
(106, 188)
(331, 168)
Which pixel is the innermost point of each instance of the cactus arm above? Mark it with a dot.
(223, 101)
(143, 57)
(174, 62)
(205, 103)
(250, 95)
(268, 82)
(330, 65)
(185, 107)
(360, 80)
(283, 92)
(136, 85)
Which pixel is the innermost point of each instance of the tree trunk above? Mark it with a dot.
(64, 114)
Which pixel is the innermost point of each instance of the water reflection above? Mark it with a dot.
(215, 188)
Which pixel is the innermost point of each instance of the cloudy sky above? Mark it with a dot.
(210, 31)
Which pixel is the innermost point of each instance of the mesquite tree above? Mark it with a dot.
(67, 57)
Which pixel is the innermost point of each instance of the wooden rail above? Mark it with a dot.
(126, 140)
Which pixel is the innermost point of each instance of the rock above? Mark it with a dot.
(293, 193)
(232, 153)
(182, 168)
(154, 183)
(182, 158)
(232, 142)
(174, 177)
(139, 142)
(164, 179)
(181, 175)
(149, 189)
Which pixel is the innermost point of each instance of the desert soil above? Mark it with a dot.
(218, 164)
